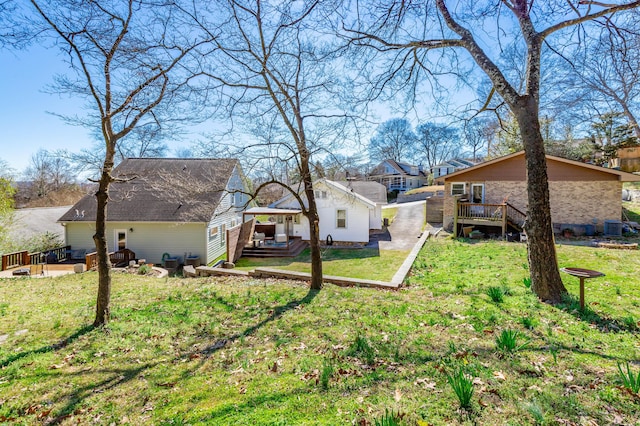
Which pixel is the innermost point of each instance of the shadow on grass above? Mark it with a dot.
(275, 314)
(76, 397)
(571, 305)
(49, 348)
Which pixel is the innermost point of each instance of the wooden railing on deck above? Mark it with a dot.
(501, 214)
(11, 260)
(516, 216)
(22, 258)
(120, 256)
(491, 212)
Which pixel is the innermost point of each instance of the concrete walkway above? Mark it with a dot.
(404, 231)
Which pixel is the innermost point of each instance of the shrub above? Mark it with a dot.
(144, 269)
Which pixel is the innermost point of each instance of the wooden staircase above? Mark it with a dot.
(295, 247)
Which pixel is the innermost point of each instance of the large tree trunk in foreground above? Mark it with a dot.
(314, 221)
(103, 309)
(543, 263)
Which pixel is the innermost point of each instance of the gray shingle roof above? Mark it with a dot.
(161, 190)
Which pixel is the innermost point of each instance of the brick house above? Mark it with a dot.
(494, 193)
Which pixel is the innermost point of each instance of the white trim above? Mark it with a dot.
(345, 219)
(116, 240)
(481, 185)
(464, 187)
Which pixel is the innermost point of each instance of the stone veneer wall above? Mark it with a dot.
(571, 202)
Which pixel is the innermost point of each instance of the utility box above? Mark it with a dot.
(613, 228)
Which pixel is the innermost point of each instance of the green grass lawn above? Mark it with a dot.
(389, 213)
(361, 263)
(235, 351)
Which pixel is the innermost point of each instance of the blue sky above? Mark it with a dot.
(25, 122)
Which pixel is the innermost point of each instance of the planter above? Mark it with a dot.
(193, 261)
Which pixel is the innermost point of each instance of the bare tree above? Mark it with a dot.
(123, 58)
(437, 143)
(477, 135)
(409, 32)
(47, 172)
(273, 78)
(394, 140)
(606, 76)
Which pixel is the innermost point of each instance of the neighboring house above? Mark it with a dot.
(580, 194)
(178, 206)
(445, 168)
(344, 213)
(628, 159)
(397, 176)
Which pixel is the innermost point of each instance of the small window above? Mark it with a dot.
(223, 233)
(341, 218)
(233, 223)
(280, 219)
(213, 232)
(457, 188)
(320, 194)
(296, 219)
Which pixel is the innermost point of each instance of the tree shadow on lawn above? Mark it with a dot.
(76, 397)
(571, 305)
(275, 314)
(49, 348)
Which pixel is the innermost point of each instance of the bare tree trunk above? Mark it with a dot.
(545, 276)
(314, 222)
(103, 309)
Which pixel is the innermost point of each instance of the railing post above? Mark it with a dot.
(504, 221)
(25, 258)
(455, 217)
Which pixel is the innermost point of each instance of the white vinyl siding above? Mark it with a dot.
(148, 240)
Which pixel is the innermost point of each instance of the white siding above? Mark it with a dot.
(148, 240)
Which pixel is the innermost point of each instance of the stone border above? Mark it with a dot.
(394, 284)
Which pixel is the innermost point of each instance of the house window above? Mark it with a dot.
(233, 223)
(341, 218)
(280, 219)
(223, 233)
(121, 239)
(213, 232)
(296, 219)
(457, 188)
(320, 194)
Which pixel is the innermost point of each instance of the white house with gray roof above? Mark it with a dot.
(345, 214)
(164, 206)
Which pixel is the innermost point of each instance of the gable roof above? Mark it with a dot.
(161, 190)
(403, 169)
(373, 191)
(333, 185)
(612, 174)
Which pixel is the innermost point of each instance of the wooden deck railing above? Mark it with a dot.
(22, 258)
(11, 260)
(489, 214)
(120, 256)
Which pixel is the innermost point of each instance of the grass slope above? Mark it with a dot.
(229, 351)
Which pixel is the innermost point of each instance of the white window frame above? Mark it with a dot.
(338, 219)
(481, 185)
(116, 240)
(223, 233)
(464, 187)
(213, 233)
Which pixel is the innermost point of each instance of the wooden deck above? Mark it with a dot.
(497, 215)
(294, 247)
